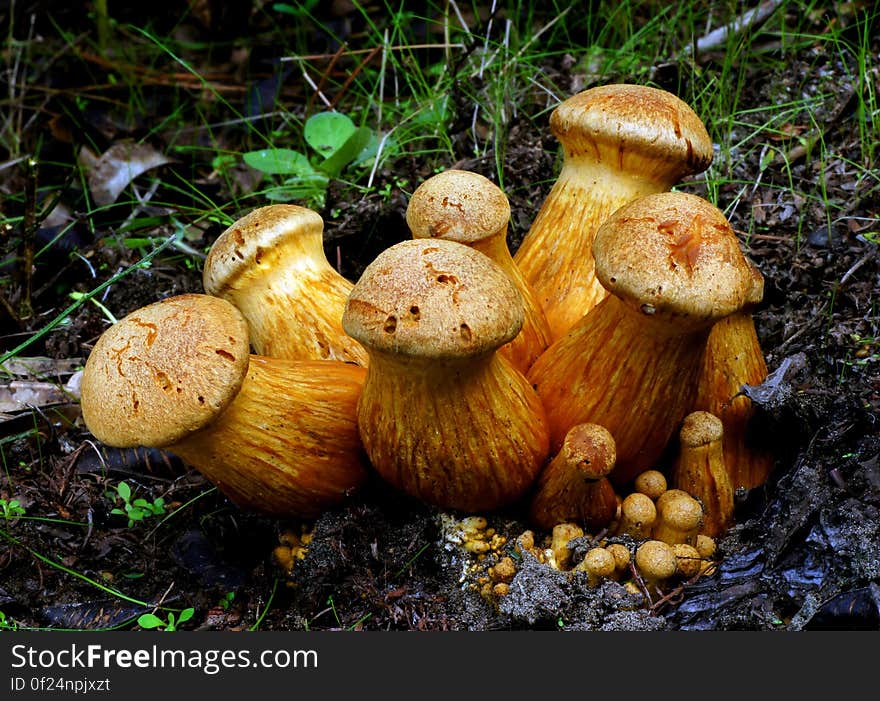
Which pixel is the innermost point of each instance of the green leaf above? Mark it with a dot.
(149, 620)
(349, 151)
(185, 615)
(327, 132)
(124, 491)
(279, 161)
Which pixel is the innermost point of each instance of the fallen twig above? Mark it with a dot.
(746, 20)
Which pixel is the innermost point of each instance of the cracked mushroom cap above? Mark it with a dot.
(637, 128)
(256, 240)
(164, 371)
(674, 254)
(433, 298)
(458, 205)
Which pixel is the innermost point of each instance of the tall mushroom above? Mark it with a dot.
(444, 417)
(699, 470)
(276, 436)
(459, 205)
(619, 142)
(271, 264)
(673, 267)
(734, 358)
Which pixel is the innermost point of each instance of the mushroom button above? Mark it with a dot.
(574, 484)
(275, 436)
(734, 358)
(673, 268)
(458, 205)
(679, 517)
(699, 470)
(271, 265)
(619, 142)
(443, 416)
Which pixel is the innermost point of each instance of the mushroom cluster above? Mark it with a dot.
(606, 354)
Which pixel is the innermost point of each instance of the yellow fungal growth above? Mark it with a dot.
(562, 534)
(651, 483)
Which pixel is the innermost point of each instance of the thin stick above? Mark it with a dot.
(747, 19)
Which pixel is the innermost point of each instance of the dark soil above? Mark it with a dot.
(805, 550)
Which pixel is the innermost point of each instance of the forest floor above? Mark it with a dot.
(804, 552)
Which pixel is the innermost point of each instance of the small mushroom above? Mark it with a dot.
(734, 358)
(673, 267)
(688, 560)
(638, 514)
(619, 142)
(651, 483)
(444, 417)
(679, 518)
(574, 485)
(656, 563)
(621, 556)
(459, 205)
(699, 470)
(599, 564)
(275, 436)
(560, 536)
(271, 264)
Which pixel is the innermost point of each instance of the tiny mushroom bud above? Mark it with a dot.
(673, 267)
(574, 484)
(679, 517)
(621, 556)
(655, 562)
(734, 358)
(619, 142)
(688, 560)
(271, 264)
(699, 470)
(459, 205)
(444, 417)
(276, 436)
(651, 483)
(705, 545)
(637, 515)
(599, 564)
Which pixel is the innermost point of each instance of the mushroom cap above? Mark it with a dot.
(681, 512)
(258, 234)
(591, 447)
(700, 428)
(638, 122)
(675, 255)
(433, 298)
(656, 560)
(651, 483)
(599, 562)
(164, 371)
(457, 205)
(639, 508)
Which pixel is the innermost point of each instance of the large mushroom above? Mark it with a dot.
(463, 206)
(271, 264)
(275, 436)
(673, 267)
(443, 416)
(619, 142)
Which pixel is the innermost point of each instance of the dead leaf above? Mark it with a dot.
(114, 170)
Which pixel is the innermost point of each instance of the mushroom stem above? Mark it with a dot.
(699, 469)
(288, 444)
(733, 359)
(574, 484)
(639, 391)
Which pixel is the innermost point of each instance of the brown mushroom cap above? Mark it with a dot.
(656, 560)
(674, 254)
(700, 428)
(457, 205)
(165, 371)
(433, 298)
(255, 240)
(630, 125)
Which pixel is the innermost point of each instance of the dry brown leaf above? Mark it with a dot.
(113, 170)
